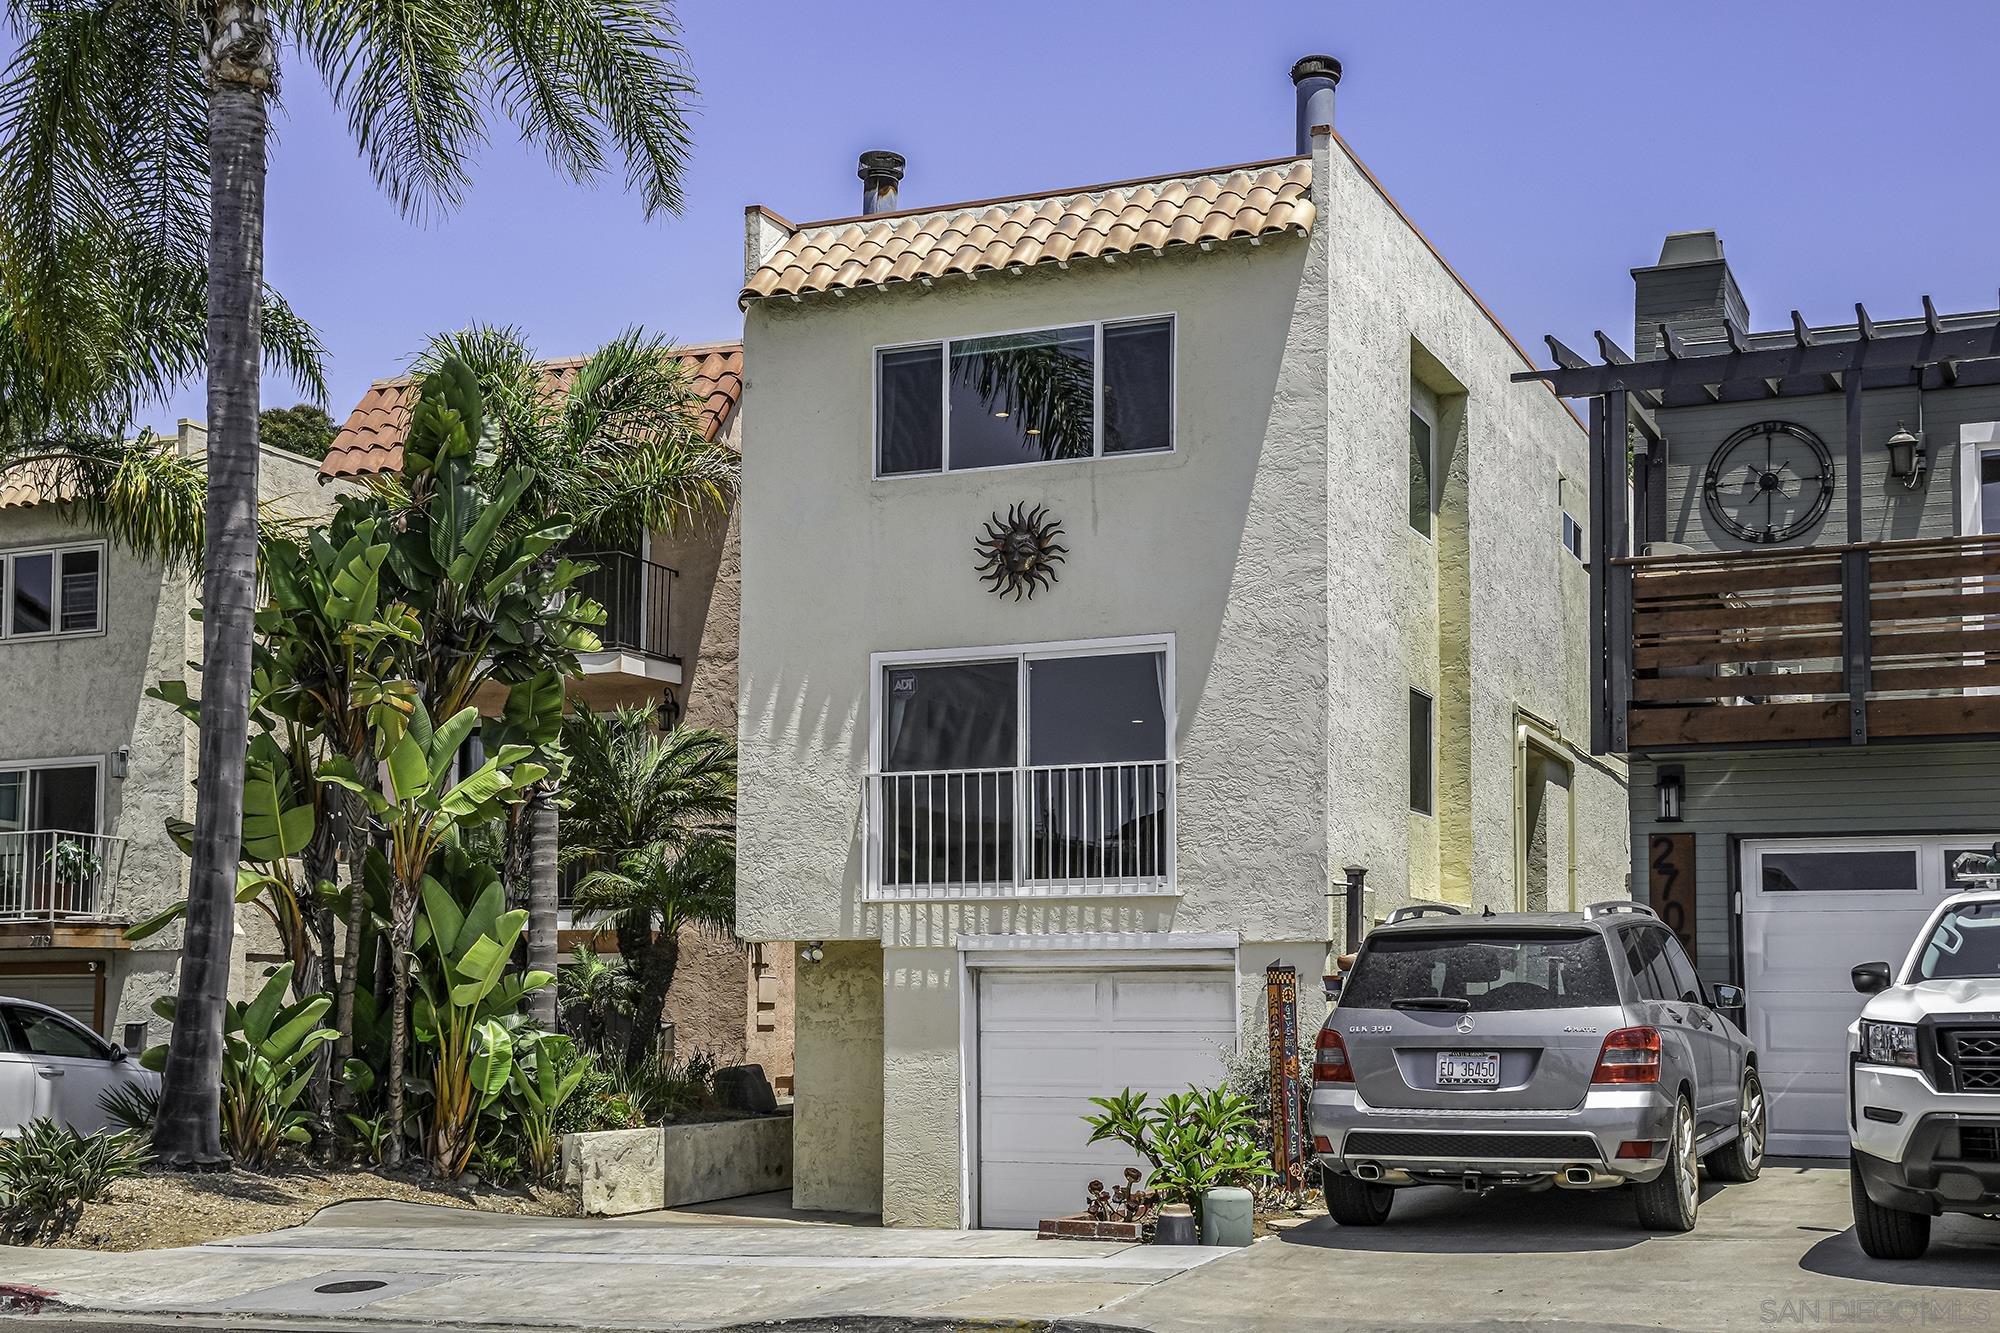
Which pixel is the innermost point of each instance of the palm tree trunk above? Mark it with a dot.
(242, 69)
(399, 1004)
(354, 813)
(544, 952)
(655, 961)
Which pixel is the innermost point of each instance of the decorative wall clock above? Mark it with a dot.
(1769, 482)
(1020, 552)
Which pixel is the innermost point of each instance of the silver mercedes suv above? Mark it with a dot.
(1575, 1050)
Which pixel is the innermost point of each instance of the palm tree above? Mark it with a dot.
(652, 821)
(618, 447)
(135, 132)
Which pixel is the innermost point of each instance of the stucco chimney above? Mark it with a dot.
(881, 172)
(1313, 80)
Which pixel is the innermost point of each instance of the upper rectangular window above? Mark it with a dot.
(1571, 503)
(1423, 454)
(1040, 396)
(51, 591)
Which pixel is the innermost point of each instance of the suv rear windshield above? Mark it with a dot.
(1490, 970)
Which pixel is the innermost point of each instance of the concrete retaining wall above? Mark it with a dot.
(727, 1159)
(620, 1171)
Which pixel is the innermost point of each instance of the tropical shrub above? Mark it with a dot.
(594, 996)
(1193, 1140)
(268, 1050)
(131, 1107)
(547, 1076)
(468, 1005)
(49, 1172)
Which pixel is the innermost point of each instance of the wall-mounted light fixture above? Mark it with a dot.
(813, 952)
(1906, 457)
(121, 762)
(1671, 786)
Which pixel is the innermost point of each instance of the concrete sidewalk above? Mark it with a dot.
(408, 1265)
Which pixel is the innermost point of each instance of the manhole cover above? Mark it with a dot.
(349, 1288)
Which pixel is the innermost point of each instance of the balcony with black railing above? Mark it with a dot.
(638, 600)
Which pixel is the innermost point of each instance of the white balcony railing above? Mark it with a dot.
(56, 875)
(1063, 830)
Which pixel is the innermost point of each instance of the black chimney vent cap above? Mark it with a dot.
(881, 162)
(1316, 67)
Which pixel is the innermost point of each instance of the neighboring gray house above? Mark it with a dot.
(90, 770)
(1290, 583)
(1801, 664)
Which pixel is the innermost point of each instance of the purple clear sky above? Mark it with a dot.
(1843, 150)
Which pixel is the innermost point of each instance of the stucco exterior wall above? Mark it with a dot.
(1395, 307)
(837, 1137)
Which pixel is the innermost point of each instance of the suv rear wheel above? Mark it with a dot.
(1357, 1203)
(1668, 1201)
(1886, 1233)
(1740, 1160)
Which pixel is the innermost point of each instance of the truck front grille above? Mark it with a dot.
(1399, 1145)
(1973, 1057)
(1979, 1143)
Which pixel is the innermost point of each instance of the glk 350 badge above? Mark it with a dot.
(1379, 1027)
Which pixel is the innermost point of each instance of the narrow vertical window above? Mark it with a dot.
(1422, 795)
(1572, 529)
(909, 412)
(81, 584)
(1420, 472)
(33, 593)
(1139, 386)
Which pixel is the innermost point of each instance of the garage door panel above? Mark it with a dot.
(74, 994)
(1170, 1004)
(1048, 1042)
(1799, 946)
(1004, 1001)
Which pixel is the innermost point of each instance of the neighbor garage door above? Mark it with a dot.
(73, 993)
(1050, 1041)
(1811, 911)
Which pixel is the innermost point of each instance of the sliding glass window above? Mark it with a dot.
(1039, 396)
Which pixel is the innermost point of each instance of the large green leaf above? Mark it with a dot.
(441, 911)
(446, 741)
(257, 1015)
(409, 768)
(492, 1058)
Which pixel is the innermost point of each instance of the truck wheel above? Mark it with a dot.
(1740, 1160)
(1668, 1201)
(1357, 1203)
(1886, 1233)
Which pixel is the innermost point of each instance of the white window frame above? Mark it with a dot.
(90, 761)
(1977, 441)
(56, 554)
(1097, 454)
(1023, 654)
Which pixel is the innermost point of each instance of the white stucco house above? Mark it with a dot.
(1120, 563)
(91, 769)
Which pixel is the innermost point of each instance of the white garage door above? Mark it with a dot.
(1811, 911)
(75, 995)
(1050, 1041)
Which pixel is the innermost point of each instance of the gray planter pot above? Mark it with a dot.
(1225, 1217)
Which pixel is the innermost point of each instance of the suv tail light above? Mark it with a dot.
(1330, 1059)
(1630, 1055)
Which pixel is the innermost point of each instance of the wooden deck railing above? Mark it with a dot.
(1838, 643)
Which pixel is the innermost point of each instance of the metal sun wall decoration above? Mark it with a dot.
(1019, 553)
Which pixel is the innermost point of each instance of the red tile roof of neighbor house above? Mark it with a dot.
(371, 441)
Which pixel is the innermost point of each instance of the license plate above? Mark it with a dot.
(1468, 1069)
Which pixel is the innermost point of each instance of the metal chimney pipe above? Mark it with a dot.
(881, 172)
(1314, 78)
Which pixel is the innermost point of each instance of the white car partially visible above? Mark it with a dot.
(51, 1065)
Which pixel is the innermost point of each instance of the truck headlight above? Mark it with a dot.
(1889, 1044)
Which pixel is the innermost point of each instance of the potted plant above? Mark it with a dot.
(1196, 1141)
(73, 868)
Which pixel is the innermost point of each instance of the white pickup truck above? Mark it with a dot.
(1923, 1108)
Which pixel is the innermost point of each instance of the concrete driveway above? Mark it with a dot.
(1777, 1253)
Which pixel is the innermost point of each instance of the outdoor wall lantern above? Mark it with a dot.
(1671, 786)
(813, 952)
(1906, 457)
(121, 762)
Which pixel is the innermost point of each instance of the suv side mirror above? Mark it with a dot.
(1871, 978)
(118, 1054)
(1728, 997)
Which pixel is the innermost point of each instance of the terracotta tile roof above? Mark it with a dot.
(371, 441)
(20, 490)
(1231, 203)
